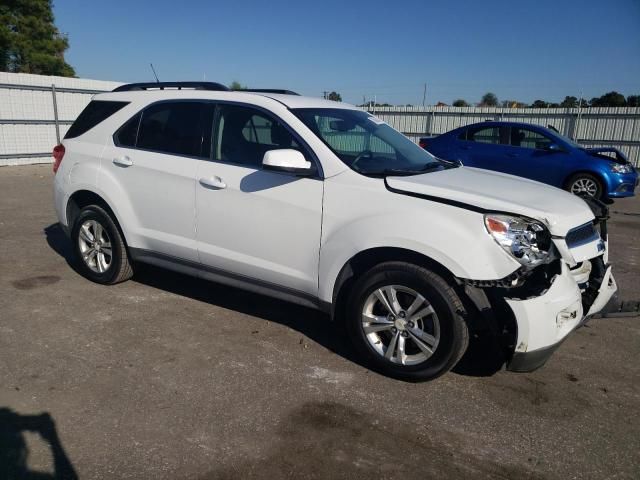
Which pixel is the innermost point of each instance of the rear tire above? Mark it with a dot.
(99, 247)
(417, 333)
(585, 184)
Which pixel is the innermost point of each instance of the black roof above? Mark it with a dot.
(177, 85)
(268, 90)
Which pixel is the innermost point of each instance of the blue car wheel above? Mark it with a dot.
(585, 183)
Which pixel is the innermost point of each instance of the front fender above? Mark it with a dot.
(454, 237)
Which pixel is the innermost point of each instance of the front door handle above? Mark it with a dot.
(512, 155)
(213, 182)
(123, 161)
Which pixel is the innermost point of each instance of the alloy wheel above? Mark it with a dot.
(400, 325)
(95, 246)
(584, 185)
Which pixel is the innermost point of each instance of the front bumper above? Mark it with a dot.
(544, 322)
(622, 184)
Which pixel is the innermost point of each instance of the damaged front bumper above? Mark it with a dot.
(544, 322)
(535, 311)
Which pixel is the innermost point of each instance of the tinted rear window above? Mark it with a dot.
(126, 136)
(173, 127)
(94, 113)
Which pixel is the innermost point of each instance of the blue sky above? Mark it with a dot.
(520, 50)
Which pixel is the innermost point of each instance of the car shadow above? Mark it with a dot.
(14, 451)
(311, 323)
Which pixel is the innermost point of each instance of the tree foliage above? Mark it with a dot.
(460, 103)
(569, 102)
(633, 101)
(489, 100)
(539, 104)
(235, 85)
(611, 99)
(335, 96)
(30, 41)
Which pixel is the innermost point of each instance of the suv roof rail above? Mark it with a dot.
(268, 90)
(177, 85)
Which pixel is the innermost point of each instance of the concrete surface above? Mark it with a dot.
(168, 377)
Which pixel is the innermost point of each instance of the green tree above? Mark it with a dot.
(539, 104)
(633, 101)
(460, 103)
(569, 102)
(335, 96)
(489, 100)
(611, 99)
(30, 41)
(235, 85)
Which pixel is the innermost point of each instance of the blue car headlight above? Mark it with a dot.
(525, 239)
(621, 168)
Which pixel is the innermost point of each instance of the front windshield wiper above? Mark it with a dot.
(402, 171)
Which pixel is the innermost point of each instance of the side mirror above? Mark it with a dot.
(553, 148)
(286, 160)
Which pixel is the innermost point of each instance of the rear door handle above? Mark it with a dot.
(214, 182)
(123, 161)
(513, 155)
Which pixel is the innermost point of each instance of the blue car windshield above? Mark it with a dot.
(573, 143)
(367, 144)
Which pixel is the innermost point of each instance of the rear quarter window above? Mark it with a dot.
(96, 112)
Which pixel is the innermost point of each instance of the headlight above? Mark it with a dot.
(621, 168)
(526, 240)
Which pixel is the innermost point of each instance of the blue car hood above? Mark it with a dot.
(619, 156)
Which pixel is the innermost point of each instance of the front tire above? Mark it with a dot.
(585, 184)
(406, 321)
(99, 247)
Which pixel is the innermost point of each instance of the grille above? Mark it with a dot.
(581, 235)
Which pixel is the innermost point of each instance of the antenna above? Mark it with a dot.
(154, 72)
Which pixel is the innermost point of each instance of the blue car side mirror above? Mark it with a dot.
(553, 147)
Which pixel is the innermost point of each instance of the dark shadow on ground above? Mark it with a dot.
(483, 357)
(14, 452)
(313, 324)
(60, 243)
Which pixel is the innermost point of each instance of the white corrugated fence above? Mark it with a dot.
(36, 110)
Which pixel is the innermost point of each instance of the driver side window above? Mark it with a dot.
(525, 138)
(244, 134)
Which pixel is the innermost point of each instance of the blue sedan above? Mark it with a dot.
(540, 154)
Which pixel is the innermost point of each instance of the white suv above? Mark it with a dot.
(325, 205)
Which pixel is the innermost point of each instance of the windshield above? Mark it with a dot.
(565, 139)
(367, 144)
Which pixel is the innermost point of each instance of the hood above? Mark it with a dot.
(499, 192)
(600, 152)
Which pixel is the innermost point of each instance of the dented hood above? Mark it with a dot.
(499, 192)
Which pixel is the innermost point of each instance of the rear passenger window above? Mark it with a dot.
(94, 113)
(174, 128)
(484, 135)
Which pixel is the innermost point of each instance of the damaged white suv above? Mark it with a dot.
(323, 204)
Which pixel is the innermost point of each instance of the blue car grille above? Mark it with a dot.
(581, 235)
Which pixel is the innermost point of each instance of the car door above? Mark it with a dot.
(485, 146)
(261, 225)
(153, 161)
(532, 157)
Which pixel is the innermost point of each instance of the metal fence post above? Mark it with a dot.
(55, 112)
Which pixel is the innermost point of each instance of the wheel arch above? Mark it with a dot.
(366, 259)
(83, 198)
